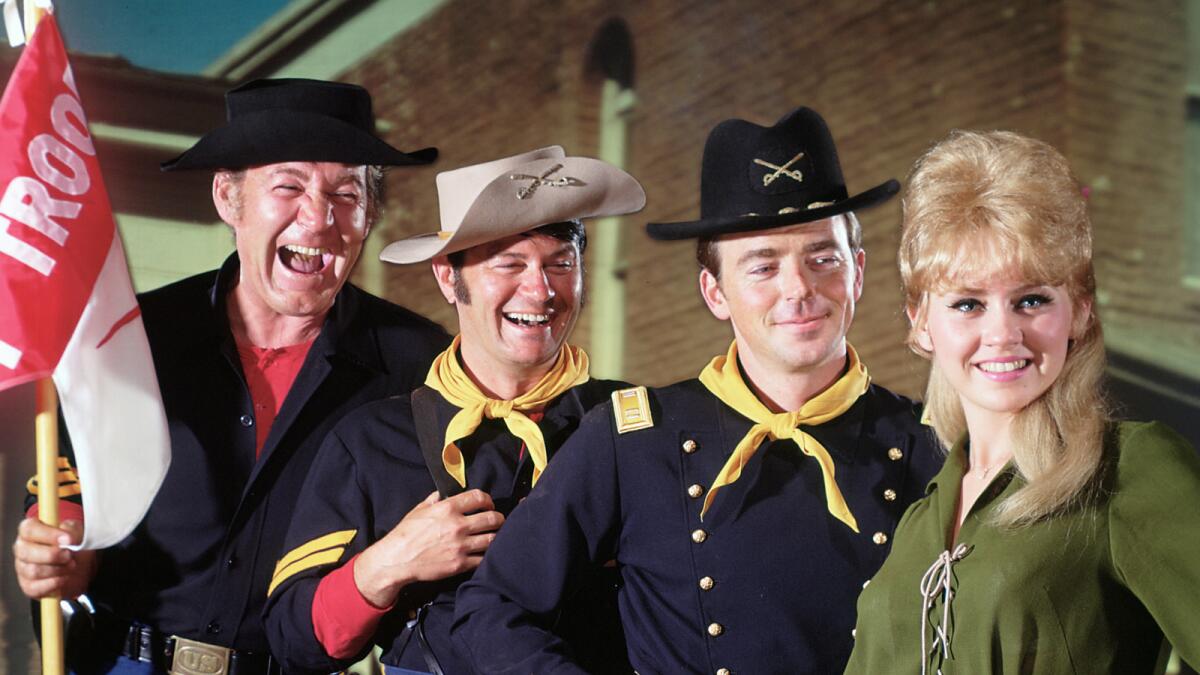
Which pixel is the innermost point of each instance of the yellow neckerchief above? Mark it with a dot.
(724, 380)
(447, 377)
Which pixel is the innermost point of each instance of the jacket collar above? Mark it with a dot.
(948, 481)
(949, 478)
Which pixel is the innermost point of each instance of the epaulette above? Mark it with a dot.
(631, 409)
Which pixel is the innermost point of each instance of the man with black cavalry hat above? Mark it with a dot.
(746, 508)
(370, 555)
(256, 361)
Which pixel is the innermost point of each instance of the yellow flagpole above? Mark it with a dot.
(46, 429)
(46, 433)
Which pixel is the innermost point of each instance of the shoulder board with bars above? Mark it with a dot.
(631, 409)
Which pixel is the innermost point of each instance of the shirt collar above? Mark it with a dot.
(346, 333)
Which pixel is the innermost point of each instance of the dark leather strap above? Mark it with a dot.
(431, 435)
(431, 661)
(416, 626)
(143, 643)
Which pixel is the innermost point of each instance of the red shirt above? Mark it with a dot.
(269, 375)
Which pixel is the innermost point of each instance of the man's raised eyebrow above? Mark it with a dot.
(347, 176)
(822, 245)
(565, 249)
(290, 171)
(351, 176)
(757, 253)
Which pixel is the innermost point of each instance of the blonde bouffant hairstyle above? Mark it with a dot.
(978, 203)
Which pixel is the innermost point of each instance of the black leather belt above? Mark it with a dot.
(181, 655)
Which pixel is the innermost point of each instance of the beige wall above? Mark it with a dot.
(162, 251)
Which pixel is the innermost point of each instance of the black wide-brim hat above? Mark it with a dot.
(757, 178)
(295, 120)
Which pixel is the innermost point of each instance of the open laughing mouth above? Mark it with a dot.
(304, 259)
(527, 320)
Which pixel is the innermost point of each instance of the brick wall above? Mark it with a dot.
(482, 80)
(1126, 66)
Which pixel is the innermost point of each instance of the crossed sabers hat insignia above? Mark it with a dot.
(794, 174)
(544, 179)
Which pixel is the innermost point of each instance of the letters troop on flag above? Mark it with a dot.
(67, 307)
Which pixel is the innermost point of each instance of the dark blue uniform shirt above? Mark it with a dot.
(767, 582)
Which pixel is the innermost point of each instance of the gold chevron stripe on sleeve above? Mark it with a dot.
(325, 557)
(300, 558)
(339, 538)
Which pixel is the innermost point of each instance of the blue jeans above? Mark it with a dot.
(396, 670)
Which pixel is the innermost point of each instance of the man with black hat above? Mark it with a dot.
(745, 509)
(364, 563)
(256, 362)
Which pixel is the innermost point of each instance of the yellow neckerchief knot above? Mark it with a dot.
(723, 378)
(447, 377)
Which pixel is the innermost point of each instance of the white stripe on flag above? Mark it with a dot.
(113, 409)
(10, 356)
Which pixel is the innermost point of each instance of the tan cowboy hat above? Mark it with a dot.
(489, 201)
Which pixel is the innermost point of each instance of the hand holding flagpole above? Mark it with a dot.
(67, 309)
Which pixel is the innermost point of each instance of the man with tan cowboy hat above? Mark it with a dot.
(407, 493)
(746, 508)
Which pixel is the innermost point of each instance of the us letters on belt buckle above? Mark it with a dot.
(199, 658)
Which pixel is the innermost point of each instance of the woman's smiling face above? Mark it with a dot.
(1000, 341)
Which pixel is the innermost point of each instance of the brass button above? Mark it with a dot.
(889, 495)
(879, 538)
(895, 455)
(715, 629)
(723, 671)
(706, 583)
(689, 446)
(699, 536)
(695, 491)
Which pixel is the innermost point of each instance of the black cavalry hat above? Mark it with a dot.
(295, 120)
(755, 178)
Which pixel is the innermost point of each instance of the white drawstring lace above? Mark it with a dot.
(937, 581)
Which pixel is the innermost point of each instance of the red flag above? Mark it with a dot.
(67, 307)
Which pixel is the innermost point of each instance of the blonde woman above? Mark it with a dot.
(1054, 540)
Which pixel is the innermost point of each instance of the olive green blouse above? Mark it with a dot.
(1090, 591)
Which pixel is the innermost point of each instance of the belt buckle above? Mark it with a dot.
(199, 658)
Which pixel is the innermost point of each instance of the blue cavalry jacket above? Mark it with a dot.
(766, 583)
